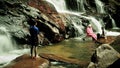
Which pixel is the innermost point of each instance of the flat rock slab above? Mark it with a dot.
(62, 59)
(25, 61)
(108, 40)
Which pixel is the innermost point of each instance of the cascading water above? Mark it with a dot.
(6, 44)
(97, 24)
(76, 20)
(77, 23)
(99, 6)
(8, 50)
(80, 4)
(113, 23)
(59, 5)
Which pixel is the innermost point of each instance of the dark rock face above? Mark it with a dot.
(112, 7)
(72, 5)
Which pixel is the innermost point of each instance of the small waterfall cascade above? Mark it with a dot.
(76, 21)
(60, 5)
(96, 24)
(113, 23)
(6, 43)
(78, 16)
(8, 48)
(80, 4)
(99, 6)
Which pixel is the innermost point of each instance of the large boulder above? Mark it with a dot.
(104, 56)
(116, 44)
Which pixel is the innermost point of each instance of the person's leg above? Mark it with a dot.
(35, 51)
(31, 51)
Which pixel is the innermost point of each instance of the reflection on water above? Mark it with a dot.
(72, 48)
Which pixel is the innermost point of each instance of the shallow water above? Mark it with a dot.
(72, 48)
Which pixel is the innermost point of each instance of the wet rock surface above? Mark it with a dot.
(73, 57)
(116, 44)
(25, 61)
(54, 57)
(104, 56)
(16, 14)
(44, 61)
(108, 40)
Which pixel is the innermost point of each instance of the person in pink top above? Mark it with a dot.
(90, 32)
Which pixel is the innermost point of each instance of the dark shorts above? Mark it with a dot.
(34, 41)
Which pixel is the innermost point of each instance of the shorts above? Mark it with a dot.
(34, 42)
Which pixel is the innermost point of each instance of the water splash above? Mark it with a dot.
(6, 44)
(8, 50)
(113, 23)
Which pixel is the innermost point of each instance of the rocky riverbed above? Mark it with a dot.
(67, 54)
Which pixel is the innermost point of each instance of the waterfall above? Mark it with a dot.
(80, 4)
(113, 23)
(77, 23)
(8, 49)
(99, 6)
(80, 29)
(60, 5)
(6, 44)
(96, 24)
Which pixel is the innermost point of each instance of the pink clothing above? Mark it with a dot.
(90, 33)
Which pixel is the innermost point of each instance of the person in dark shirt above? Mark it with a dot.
(34, 38)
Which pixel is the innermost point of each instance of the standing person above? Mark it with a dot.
(34, 38)
(103, 33)
(90, 32)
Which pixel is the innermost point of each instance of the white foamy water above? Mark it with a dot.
(110, 33)
(8, 49)
(8, 57)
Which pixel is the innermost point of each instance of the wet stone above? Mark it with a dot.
(25, 61)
